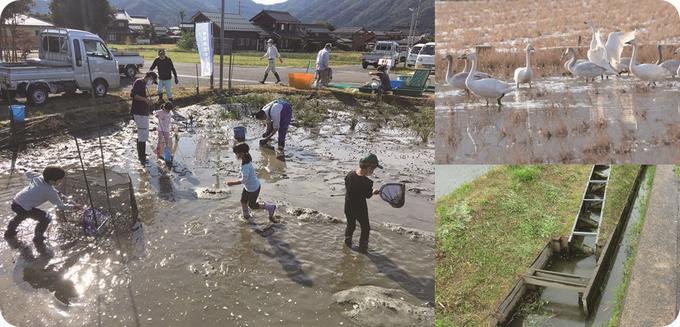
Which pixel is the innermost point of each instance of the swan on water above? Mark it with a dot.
(582, 70)
(646, 72)
(487, 88)
(458, 80)
(525, 74)
(597, 53)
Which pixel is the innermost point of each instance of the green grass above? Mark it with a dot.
(632, 249)
(620, 185)
(490, 230)
(246, 58)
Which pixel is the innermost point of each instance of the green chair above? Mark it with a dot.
(416, 85)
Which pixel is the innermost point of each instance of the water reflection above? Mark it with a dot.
(39, 273)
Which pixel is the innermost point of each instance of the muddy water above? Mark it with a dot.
(562, 120)
(192, 260)
(561, 307)
(450, 177)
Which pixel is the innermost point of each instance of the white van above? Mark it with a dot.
(425, 58)
(413, 55)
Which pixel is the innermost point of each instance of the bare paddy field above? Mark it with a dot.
(507, 26)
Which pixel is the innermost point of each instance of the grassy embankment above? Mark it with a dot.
(490, 230)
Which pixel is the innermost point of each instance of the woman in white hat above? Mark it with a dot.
(271, 55)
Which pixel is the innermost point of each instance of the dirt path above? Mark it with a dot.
(651, 299)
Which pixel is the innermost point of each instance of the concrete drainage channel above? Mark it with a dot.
(569, 279)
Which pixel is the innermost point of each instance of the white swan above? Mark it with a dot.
(670, 65)
(582, 70)
(597, 53)
(615, 44)
(646, 72)
(458, 80)
(487, 88)
(525, 74)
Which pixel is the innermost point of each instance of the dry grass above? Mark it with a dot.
(550, 27)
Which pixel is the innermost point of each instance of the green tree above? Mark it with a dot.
(8, 29)
(91, 15)
(188, 41)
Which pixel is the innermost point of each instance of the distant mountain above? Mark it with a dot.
(376, 14)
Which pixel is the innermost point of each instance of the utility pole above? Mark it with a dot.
(410, 30)
(222, 45)
(415, 27)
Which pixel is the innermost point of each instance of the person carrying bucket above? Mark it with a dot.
(323, 71)
(358, 188)
(141, 109)
(277, 116)
(40, 190)
(271, 55)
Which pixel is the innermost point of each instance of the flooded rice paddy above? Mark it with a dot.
(562, 120)
(190, 259)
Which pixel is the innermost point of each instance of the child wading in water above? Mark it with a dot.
(164, 139)
(358, 188)
(251, 185)
(40, 190)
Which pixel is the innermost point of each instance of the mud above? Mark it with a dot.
(562, 120)
(192, 260)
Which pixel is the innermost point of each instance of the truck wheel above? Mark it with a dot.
(37, 95)
(364, 64)
(100, 88)
(130, 71)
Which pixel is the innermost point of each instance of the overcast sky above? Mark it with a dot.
(269, 2)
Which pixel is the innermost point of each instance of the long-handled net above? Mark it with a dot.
(394, 194)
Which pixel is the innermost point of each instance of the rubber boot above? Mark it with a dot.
(264, 78)
(278, 79)
(39, 234)
(160, 97)
(141, 152)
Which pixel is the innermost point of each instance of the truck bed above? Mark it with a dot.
(30, 72)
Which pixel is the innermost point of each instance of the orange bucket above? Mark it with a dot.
(300, 80)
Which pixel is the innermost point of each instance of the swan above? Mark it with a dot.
(582, 70)
(525, 74)
(670, 65)
(646, 72)
(487, 88)
(615, 44)
(597, 53)
(458, 80)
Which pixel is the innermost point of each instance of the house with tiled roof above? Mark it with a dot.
(245, 34)
(127, 28)
(287, 31)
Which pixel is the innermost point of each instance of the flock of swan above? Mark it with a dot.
(604, 58)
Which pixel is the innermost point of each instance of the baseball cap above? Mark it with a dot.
(370, 159)
(153, 75)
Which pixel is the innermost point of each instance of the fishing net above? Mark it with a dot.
(98, 221)
(394, 194)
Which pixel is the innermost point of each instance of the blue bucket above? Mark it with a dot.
(240, 133)
(18, 112)
(397, 84)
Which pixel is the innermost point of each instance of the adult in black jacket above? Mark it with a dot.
(165, 71)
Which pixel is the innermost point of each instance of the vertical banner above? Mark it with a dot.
(205, 47)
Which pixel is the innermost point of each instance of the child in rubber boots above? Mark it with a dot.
(40, 190)
(251, 185)
(358, 188)
(164, 140)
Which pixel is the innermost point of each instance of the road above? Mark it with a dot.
(354, 75)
